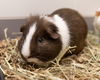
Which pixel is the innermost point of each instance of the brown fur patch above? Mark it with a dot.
(98, 13)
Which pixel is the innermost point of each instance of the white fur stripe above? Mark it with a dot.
(62, 29)
(26, 45)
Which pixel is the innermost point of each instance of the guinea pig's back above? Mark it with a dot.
(76, 25)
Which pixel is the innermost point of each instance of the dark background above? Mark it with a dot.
(14, 25)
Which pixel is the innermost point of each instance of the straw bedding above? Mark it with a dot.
(85, 66)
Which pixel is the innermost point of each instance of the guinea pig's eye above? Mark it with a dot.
(41, 39)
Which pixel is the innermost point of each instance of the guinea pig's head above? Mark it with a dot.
(98, 12)
(40, 41)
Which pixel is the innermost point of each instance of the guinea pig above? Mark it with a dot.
(44, 37)
(96, 23)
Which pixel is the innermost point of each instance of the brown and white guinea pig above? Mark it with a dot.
(44, 37)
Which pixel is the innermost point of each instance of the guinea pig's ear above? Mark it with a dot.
(22, 28)
(52, 30)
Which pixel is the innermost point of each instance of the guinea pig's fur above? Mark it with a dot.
(97, 12)
(44, 37)
(96, 23)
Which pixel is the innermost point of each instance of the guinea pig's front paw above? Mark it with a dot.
(47, 65)
(37, 63)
